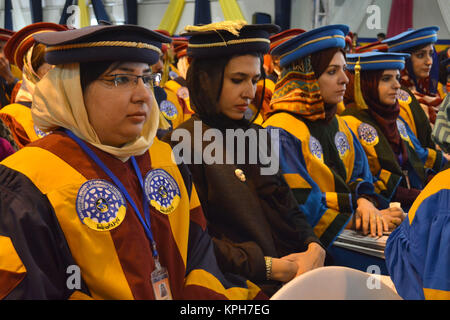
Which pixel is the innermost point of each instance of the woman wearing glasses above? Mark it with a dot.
(97, 209)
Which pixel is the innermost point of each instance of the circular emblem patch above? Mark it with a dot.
(368, 134)
(316, 148)
(403, 96)
(168, 110)
(40, 133)
(100, 205)
(173, 74)
(162, 191)
(402, 130)
(183, 93)
(341, 142)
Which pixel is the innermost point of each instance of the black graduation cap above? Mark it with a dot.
(228, 38)
(103, 43)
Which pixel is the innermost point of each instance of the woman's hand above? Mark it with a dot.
(283, 270)
(311, 259)
(367, 217)
(393, 217)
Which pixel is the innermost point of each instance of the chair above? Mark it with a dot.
(336, 283)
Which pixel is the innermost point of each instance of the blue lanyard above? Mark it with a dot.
(146, 224)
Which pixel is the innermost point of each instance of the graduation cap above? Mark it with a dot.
(331, 36)
(374, 46)
(228, 38)
(377, 60)
(372, 61)
(412, 38)
(5, 34)
(164, 47)
(18, 45)
(283, 36)
(129, 43)
(180, 45)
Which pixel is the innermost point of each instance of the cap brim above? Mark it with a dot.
(85, 33)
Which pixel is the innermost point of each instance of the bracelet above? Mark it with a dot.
(268, 267)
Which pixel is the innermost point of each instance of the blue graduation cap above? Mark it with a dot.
(103, 43)
(377, 60)
(412, 38)
(372, 61)
(331, 36)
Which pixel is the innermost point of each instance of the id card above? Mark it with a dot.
(160, 282)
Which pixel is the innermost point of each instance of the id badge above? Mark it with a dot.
(160, 283)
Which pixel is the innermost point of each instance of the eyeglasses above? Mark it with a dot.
(129, 81)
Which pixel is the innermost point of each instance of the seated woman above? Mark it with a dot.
(320, 157)
(396, 157)
(418, 96)
(257, 228)
(22, 51)
(98, 209)
(417, 252)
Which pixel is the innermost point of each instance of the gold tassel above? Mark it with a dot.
(359, 99)
(166, 69)
(232, 26)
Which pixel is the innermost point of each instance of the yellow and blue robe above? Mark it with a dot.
(178, 95)
(326, 168)
(417, 120)
(382, 160)
(418, 251)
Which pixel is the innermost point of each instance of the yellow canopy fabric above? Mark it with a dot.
(231, 10)
(172, 16)
(85, 19)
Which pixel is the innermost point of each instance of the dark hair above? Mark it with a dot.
(321, 60)
(205, 81)
(417, 48)
(91, 71)
(38, 56)
(442, 56)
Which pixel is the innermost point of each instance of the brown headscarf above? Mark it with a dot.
(384, 115)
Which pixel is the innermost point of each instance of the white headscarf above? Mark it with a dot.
(58, 102)
(29, 79)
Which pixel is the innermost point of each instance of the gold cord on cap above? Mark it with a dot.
(127, 44)
(232, 26)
